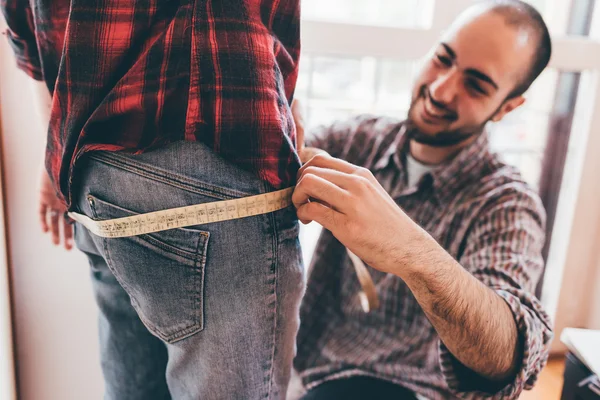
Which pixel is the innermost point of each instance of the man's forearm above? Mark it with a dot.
(473, 321)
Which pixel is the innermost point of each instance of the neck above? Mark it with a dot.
(431, 155)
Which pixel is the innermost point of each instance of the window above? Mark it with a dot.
(405, 13)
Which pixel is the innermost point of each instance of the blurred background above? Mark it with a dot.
(359, 56)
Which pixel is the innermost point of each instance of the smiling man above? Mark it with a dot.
(454, 235)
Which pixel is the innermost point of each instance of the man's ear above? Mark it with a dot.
(507, 107)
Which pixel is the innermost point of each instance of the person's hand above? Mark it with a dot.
(52, 209)
(305, 153)
(348, 201)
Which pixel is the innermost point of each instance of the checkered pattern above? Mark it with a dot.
(138, 75)
(482, 212)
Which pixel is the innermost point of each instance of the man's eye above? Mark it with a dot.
(444, 60)
(472, 84)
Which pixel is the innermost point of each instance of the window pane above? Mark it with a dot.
(541, 95)
(521, 136)
(302, 86)
(340, 79)
(540, 5)
(395, 84)
(320, 114)
(543, 6)
(404, 13)
(335, 78)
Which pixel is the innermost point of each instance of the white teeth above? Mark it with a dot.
(429, 109)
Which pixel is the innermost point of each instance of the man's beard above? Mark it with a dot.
(442, 138)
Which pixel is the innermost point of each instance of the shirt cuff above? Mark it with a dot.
(534, 335)
(26, 55)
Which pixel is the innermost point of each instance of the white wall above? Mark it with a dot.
(594, 315)
(55, 315)
(7, 371)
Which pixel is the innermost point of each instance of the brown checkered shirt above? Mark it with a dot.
(482, 212)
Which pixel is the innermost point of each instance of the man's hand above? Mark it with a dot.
(473, 321)
(348, 201)
(305, 153)
(50, 207)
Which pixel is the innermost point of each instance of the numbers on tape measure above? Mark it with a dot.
(198, 214)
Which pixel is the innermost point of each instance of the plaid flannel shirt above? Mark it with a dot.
(482, 212)
(133, 76)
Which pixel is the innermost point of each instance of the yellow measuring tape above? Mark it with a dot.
(217, 211)
(368, 296)
(180, 217)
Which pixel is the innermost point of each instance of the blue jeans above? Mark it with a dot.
(205, 312)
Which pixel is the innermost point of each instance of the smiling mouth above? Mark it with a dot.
(431, 112)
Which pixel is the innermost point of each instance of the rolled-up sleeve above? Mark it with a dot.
(504, 251)
(21, 36)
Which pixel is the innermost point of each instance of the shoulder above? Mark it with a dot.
(501, 187)
(373, 135)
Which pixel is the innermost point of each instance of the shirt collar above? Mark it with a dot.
(467, 166)
(392, 153)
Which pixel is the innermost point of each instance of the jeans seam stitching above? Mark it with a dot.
(128, 290)
(168, 178)
(210, 192)
(275, 271)
(199, 300)
(169, 338)
(199, 326)
(168, 248)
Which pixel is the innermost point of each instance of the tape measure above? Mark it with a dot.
(180, 217)
(369, 300)
(218, 211)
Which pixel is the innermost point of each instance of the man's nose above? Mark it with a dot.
(444, 88)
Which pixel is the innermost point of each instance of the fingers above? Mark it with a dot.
(324, 160)
(56, 220)
(315, 187)
(54, 226)
(344, 181)
(67, 232)
(309, 152)
(360, 175)
(42, 215)
(313, 211)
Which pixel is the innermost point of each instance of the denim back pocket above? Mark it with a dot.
(163, 273)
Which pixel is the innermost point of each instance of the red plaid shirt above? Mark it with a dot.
(138, 75)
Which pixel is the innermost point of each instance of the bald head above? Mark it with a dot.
(527, 20)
